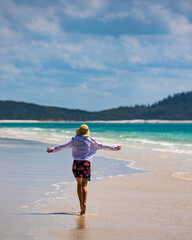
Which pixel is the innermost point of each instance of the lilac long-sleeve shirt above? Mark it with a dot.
(83, 148)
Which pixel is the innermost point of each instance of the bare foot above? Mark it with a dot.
(84, 208)
(81, 207)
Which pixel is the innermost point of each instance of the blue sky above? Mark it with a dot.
(94, 54)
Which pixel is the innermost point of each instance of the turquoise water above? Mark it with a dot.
(173, 137)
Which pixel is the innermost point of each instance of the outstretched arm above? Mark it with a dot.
(61, 146)
(105, 147)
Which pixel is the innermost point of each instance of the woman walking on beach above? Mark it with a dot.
(83, 149)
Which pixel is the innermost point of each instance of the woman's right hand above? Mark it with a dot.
(49, 150)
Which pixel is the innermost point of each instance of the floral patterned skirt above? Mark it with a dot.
(82, 169)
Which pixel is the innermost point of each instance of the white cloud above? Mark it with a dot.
(181, 26)
(86, 62)
(112, 16)
(107, 83)
(102, 79)
(139, 49)
(164, 49)
(9, 68)
(71, 48)
(43, 26)
(33, 17)
(177, 23)
(140, 15)
(83, 8)
(9, 36)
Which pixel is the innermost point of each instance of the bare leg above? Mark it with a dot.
(80, 192)
(84, 190)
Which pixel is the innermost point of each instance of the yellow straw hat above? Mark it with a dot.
(83, 131)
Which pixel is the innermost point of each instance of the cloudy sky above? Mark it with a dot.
(94, 54)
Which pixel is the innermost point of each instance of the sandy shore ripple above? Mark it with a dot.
(146, 206)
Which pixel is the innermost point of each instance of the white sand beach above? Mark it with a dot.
(146, 206)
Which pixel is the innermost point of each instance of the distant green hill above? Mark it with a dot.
(176, 107)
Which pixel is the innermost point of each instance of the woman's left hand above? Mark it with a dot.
(119, 147)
